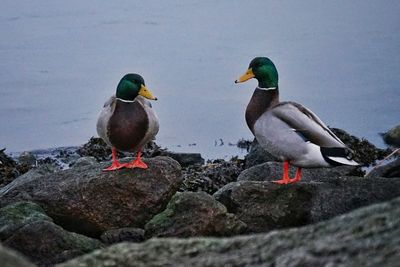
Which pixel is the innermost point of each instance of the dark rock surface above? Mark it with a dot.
(185, 159)
(84, 161)
(392, 137)
(257, 155)
(96, 148)
(27, 161)
(11, 258)
(389, 170)
(272, 171)
(25, 227)
(265, 206)
(16, 215)
(367, 237)
(89, 201)
(123, 234)
(194, 214)
(27, 158)
(8, 168)
(211, 176)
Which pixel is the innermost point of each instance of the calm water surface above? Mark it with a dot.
(60, 60)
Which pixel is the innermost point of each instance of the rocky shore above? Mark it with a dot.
(183, 211)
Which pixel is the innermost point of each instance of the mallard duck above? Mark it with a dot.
(288, 130)
(127, 121)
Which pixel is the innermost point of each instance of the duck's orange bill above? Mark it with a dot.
(247, 76)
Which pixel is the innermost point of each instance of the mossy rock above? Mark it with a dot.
(194, 214)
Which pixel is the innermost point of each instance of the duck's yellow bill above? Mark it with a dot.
(247, 76)
(146, 93)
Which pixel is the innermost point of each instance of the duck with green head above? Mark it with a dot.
(288, 130)
(127, 121)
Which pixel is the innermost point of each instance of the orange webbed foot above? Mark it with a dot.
(115, 165)
(136, 164)
(282, 181)
(285, 179)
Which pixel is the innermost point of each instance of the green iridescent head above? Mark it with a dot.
(262, 69)
(132, 85)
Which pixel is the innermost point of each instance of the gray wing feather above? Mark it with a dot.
(110, 101)
(104, 117)
(303, 120)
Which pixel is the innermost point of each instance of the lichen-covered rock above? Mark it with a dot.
(26, 178)
(194, 214)
(367, 237)
(27, 158)
(8, 168)
(11, 258)
(389, 170)
(84, 161)
(25, 227)
(123, 234)
(272, 171)
(89, 201)
(265, 206)
(392, 137)
(211, 176)
(16, 215)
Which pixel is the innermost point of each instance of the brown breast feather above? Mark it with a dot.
(260, 102)
(127, 126)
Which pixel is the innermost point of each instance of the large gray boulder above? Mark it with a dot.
(11, 258)
(265, 206)
(25, 227)
(89, 201)
(194, 214)
(365, 237)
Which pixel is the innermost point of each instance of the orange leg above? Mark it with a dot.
(136, 163)
(297, 177)
(115, 165)
(285, 178)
